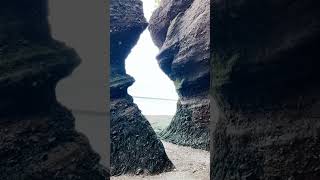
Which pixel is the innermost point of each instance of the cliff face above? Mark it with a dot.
(134, 145)
(181, 30)
(38, 139)
(266, 90)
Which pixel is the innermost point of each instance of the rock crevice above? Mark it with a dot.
(135, 147)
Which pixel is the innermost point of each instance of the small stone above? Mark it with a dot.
(139, 171)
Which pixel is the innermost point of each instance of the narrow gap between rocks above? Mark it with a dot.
(153, 91)
(156, 97)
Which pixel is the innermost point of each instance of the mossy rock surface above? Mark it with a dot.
(186, 130)
(134, 142)
(181, 30)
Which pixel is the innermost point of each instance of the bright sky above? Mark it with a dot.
(150, 80)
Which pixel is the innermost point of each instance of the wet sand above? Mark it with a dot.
(191, 164)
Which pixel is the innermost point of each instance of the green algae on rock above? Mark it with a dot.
(181, 30)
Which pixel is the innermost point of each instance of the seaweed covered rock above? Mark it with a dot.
(181, 30)
(265, 70)
(135, 147)
(37, 135)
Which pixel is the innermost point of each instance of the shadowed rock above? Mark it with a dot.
(37, 135)
(135, 148)
(181, 30)
(265, 61)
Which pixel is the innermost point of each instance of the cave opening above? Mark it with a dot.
(153, 91)
(182, 97)
(157, 97)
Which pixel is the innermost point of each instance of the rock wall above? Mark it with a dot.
(37, 135)
(265, 90)
(181, 29)
(135, 147)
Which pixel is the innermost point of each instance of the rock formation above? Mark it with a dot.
(181, 29)
(266, 90)
(134, 145)
(37, 135)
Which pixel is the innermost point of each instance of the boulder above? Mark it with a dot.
(181, 29)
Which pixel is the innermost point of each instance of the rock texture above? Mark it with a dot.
(180, 28)
(135, 147)
(265, 61)
(37, 135)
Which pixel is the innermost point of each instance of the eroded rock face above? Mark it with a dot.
(266, 90)
(37, 135)
(181, 30)
(135, 147)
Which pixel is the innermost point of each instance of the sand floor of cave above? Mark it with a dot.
(191, 164)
